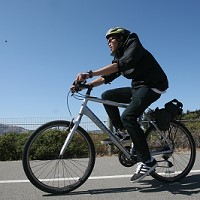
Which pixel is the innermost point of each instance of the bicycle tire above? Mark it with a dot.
(46, 170)
(176, 165)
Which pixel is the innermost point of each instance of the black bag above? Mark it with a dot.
(174, 107)
(165, 115)
(163, 118)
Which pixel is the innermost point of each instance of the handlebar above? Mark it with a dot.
(82, 85)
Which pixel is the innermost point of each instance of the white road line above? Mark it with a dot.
(90, 178)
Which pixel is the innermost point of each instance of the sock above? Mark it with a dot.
(149, 161)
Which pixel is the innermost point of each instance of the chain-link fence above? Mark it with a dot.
(21, 125)
(29, 124)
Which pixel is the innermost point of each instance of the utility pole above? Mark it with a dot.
(110, 146)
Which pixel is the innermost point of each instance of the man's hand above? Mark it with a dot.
(82, 77)
(76, 87)
(72, 89)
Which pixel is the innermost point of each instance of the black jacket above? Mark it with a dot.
(136, 63)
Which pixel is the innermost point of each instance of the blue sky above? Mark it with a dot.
(50, 41)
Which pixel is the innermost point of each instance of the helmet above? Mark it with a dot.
(117, 31)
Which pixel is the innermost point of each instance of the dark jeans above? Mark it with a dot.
(138, 100)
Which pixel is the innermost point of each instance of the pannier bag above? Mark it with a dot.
(165, 115)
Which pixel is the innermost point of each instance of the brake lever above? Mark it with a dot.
(82, 84)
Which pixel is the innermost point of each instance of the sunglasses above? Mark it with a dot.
(111, 39)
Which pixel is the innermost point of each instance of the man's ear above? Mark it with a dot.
(121, 37)
(120, 40)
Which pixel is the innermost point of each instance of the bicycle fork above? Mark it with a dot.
(70, 136)
(72, 130)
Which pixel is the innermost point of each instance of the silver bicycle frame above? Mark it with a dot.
(84, 110)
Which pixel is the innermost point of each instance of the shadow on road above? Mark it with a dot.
(188, 186)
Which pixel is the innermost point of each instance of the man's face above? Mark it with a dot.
(113, 44)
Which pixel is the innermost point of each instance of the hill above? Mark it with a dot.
(10, 129)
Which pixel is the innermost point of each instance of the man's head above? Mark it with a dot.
(116, 37)
(117, 31)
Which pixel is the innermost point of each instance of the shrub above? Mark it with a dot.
(11, 144)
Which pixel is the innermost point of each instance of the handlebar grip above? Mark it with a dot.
(81, 84)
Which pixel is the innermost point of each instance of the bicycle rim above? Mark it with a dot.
(43, 166)
(176, 164)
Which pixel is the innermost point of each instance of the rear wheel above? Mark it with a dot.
(178, 162)
(43, 166)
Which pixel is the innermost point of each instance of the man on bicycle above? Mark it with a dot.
(148, 82)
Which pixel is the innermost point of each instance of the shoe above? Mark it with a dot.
(123, 137)
(143, 169)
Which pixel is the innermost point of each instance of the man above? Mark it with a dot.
(149, 81)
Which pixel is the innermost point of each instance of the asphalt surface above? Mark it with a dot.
(109, 180)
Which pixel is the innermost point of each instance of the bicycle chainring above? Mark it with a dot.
(125, 161)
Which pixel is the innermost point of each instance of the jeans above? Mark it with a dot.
(138, 101)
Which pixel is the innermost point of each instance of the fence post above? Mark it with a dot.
(110, 146)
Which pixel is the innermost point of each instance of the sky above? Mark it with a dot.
(44, 44)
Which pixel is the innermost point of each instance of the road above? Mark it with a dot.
(109, 180)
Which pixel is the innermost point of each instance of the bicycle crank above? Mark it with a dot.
(125, 161)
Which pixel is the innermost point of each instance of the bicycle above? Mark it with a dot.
(59, 156)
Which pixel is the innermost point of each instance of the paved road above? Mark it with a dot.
(109, 180)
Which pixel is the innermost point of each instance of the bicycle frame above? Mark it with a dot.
(85, 110)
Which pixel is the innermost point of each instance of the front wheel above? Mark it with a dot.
(177, 161)
(43, 166)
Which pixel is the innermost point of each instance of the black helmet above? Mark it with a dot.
(117, 31)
